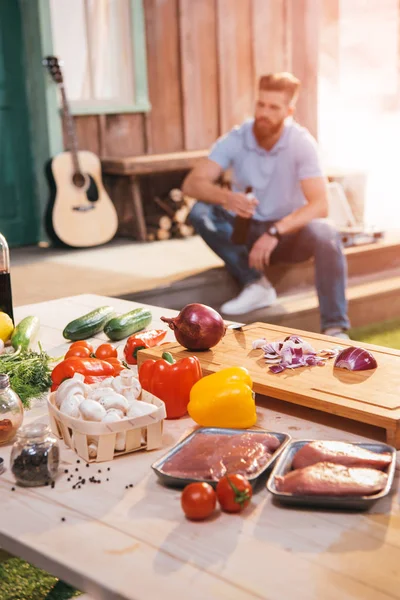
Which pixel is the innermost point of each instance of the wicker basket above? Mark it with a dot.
(142, 433)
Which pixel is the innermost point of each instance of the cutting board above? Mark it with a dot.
(367, 396)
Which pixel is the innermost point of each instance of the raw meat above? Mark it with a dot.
(328, 479)
(210, 456)
(340, 453)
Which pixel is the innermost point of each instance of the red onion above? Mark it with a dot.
(197, 327)
(355, 359)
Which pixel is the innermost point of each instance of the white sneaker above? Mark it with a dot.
(259, 294)
(337, 332)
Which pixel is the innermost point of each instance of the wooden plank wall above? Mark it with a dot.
(203, 60)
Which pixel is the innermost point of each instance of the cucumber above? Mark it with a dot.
(25, 332)
(127, 324)
(89, 324)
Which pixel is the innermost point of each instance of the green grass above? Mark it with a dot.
(381, 334)
(21, 581)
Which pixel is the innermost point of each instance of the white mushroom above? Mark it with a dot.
(70, 405)
(113, 400)
(127, 385)
(92, 447)
(120, 440)
(98, 393)
(92, 410)
(118, 412)
(105, 383)
(139, 409)
(70, 387)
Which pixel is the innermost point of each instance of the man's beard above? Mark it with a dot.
(264, 129)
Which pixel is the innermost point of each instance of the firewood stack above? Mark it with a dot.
(171, 218)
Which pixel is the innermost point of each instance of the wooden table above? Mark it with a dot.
(134, 543)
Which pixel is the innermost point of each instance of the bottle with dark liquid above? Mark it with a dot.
(241, 226)
(6, 304)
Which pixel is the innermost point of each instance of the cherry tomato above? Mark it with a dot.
(106, 351)
(234, 493)
(81, 351)
(198, 501)
(83, 343)
(116, 363)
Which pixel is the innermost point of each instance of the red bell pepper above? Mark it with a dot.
(171, 381)
(139, 341)
(89, 367)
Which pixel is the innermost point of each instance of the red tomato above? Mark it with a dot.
(80, 351)
(116, 363)
(198, 501)
(106, 351)
(83, 343)
(234, 493)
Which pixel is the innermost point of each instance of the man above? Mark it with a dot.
(278, 160)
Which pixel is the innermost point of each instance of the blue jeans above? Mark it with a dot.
(318, 239)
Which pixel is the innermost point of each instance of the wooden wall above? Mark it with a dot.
(204, 57)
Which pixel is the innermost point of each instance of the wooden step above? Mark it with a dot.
(372, 298)
(215, 286)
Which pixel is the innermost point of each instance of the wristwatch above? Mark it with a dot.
(273, 231)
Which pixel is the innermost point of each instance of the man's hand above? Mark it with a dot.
(261, 251)
(240, 204)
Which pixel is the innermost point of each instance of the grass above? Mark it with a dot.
(383, 334)
(21, 581)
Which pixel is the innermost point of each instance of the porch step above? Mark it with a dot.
(372, 298)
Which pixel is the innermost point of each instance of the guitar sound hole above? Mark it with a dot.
(78, 179)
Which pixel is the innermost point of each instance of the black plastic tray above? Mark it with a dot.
(182, 481)
(284, 465)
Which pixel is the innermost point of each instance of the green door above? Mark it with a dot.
(18, 209)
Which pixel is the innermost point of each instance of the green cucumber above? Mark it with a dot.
(127, 324)
(88, 325)
(25, 333)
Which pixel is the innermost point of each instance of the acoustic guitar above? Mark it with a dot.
(80, 213)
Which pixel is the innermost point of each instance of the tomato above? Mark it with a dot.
(83, 343)
(198, 501)
(80, 351)
(116, 363)
(234, 493)
(106, 351)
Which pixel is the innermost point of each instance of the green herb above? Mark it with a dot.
(29, 372)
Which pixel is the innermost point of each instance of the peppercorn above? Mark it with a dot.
(32, 466)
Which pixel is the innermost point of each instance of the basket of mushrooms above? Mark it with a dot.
(106, 419)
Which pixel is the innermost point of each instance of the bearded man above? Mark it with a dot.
(278, 160)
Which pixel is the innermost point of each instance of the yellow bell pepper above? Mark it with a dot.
(224, 399)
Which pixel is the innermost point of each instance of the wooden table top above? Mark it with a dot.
(134, 543)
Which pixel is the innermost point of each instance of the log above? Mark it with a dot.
(181, 230)
(154, 233)
(181, 215)
(164, 206)
(159, 221)
(176, 195)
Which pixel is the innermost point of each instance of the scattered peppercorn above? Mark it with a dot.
(76, 469)
(78, 461)
(108, 469)
(66, 471)
(53, 483)
(99, 471)
(87, 465)
(63, 519)
(13, 489)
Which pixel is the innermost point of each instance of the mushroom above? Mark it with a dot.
(99, 392)
(120, 413)
(69, 387)
(140, 409)
(70, 405)
(127, 385)
(92, 447)
(120, 440)
(113, 400)
(91, 410)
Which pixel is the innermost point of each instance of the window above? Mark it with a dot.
(101, 47)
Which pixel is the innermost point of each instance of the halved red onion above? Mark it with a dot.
(355, 359)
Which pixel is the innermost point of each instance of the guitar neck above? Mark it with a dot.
(70, 129)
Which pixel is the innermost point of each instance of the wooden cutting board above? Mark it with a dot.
(368, 396)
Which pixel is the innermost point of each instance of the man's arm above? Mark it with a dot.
(315, 193)
(200, 184)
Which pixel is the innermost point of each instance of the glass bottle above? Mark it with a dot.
(241, 225)
(6, 304)
(11, 411)
(35, 455)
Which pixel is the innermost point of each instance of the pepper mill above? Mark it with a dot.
(6, 304)
(241, 225)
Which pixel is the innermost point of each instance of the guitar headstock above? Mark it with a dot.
(53, 66)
